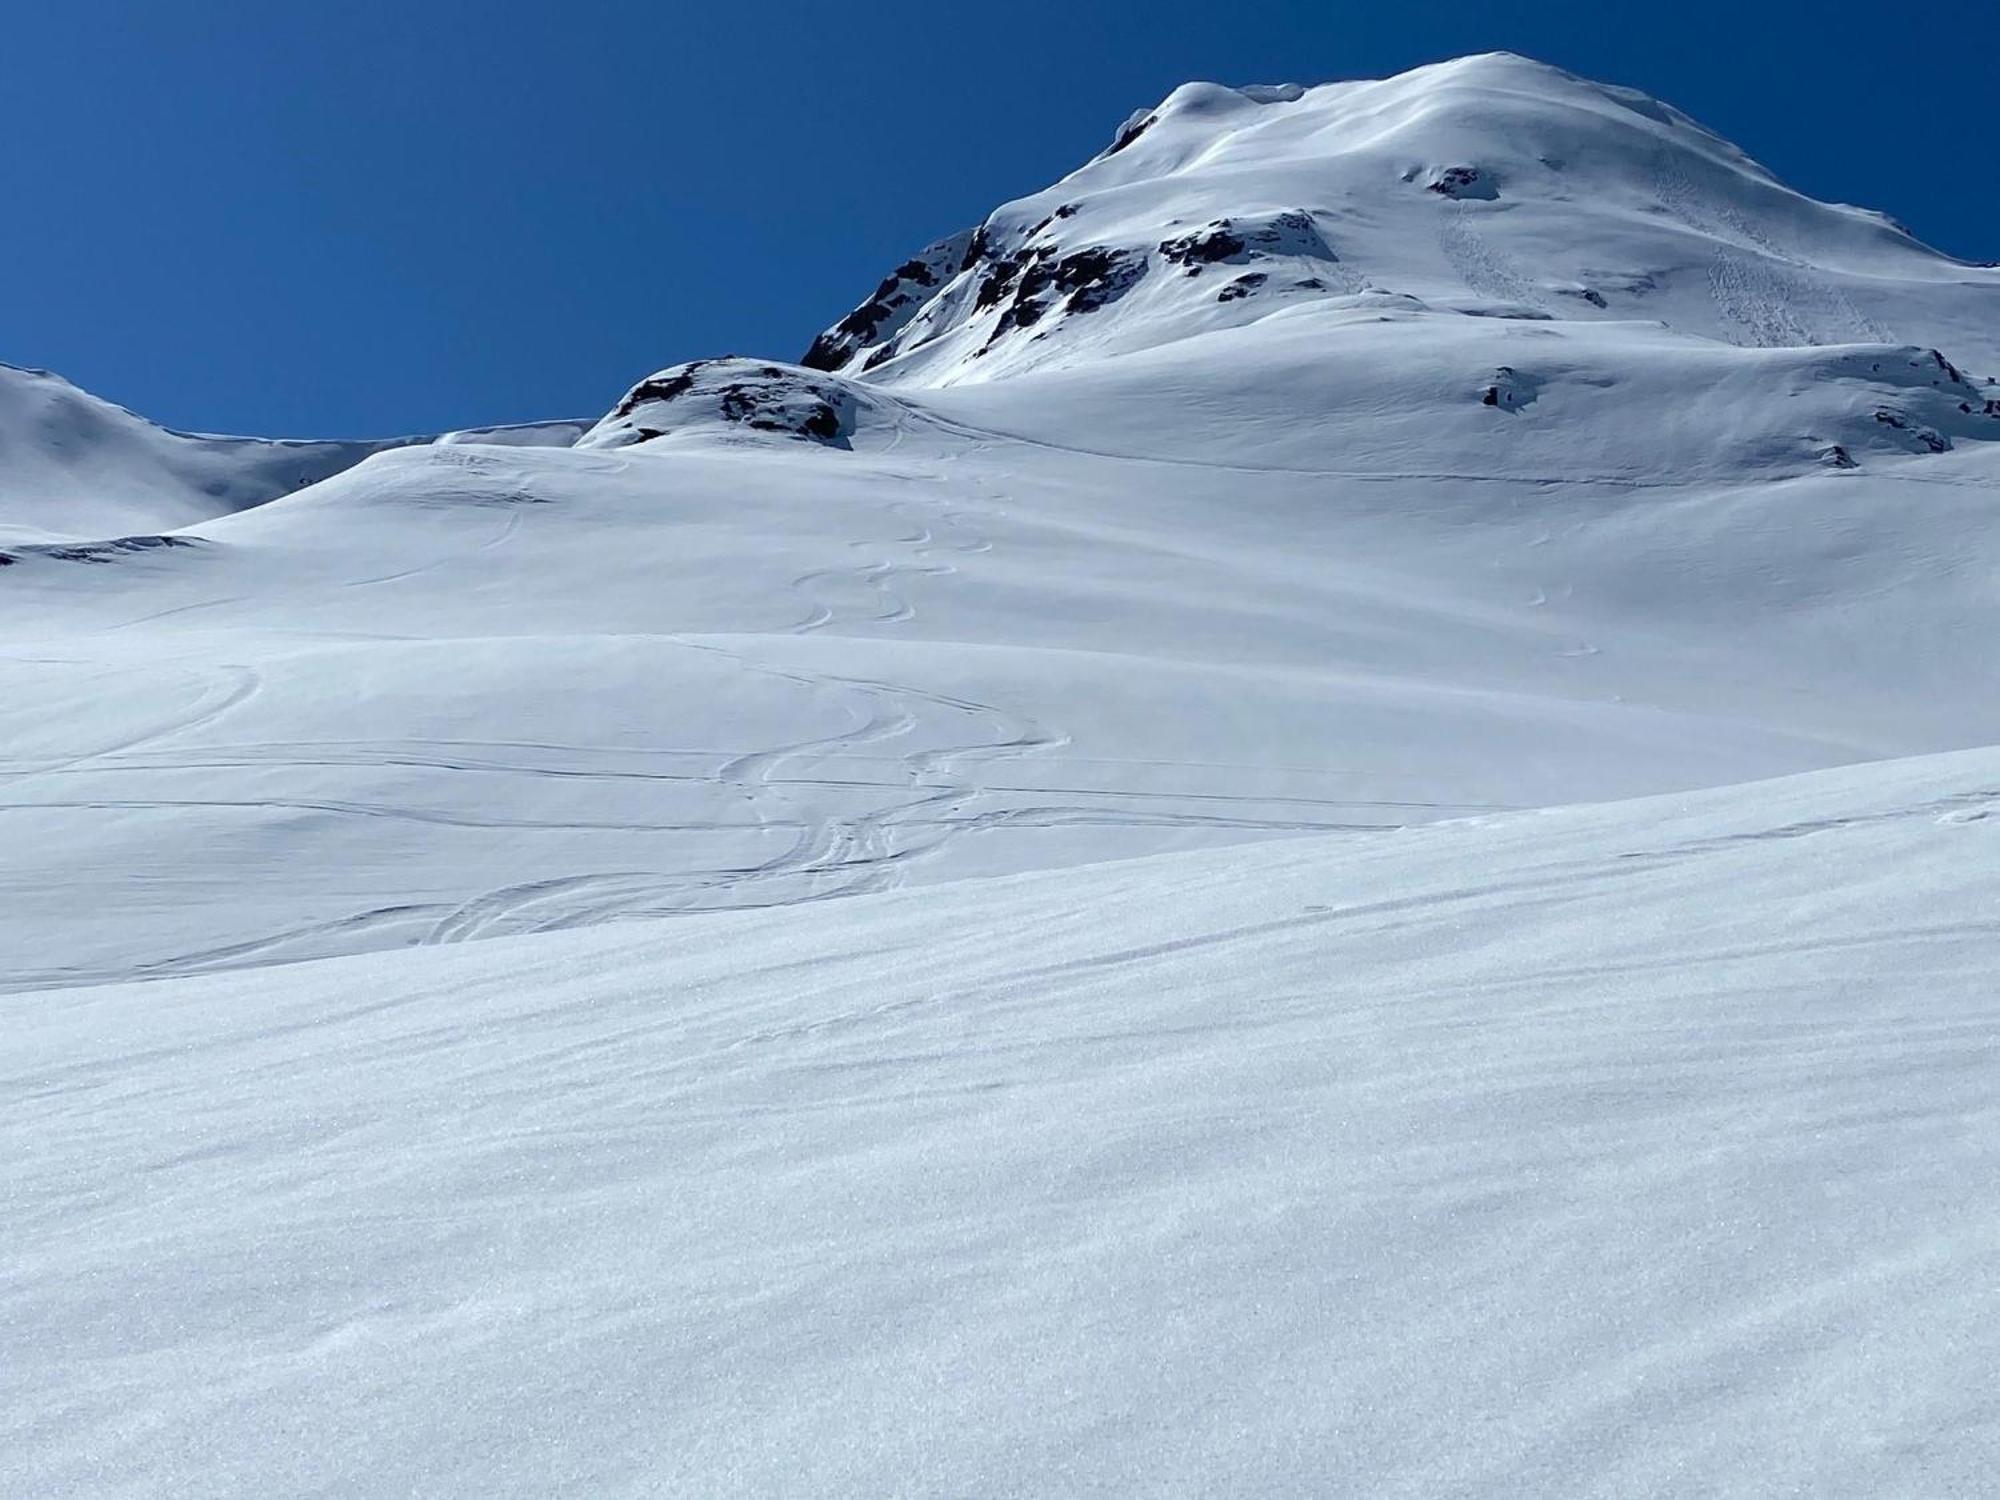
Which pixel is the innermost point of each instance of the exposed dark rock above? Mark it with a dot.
(737, 392)
(823, 423)
(1951, 371)
(1586, 294)
(902, 292)
(1837, 457)
(1928, 438)
(1023, 312)
(1000, 278)
(668, 385)
(1061, 211)
(1514, 312)
(797, 412)
(1038, 279)
(93, 552)
(1129, 132)
(1242, 287)
(1218, 242)
(1235, 241)
(1097, 277)
(1463, 182)
(1510, 390)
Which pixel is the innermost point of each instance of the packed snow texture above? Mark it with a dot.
(1267, 517)
(1645, 1149)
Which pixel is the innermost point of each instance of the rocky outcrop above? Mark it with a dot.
(93, 552)
(1463, 182)
(1029, 285)
(1237, 241)
(902, 292)
(720, 396)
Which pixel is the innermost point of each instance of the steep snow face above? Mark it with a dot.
(77, 469)
(1490, 185)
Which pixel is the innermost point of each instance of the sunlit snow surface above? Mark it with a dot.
(846, 1110)
(1646, 1149)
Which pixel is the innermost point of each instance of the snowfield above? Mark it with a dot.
(1639, 1149)
(979, 913)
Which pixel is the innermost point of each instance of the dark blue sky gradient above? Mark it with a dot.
(372, 217)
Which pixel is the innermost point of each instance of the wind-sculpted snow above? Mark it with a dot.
(1629, 1151)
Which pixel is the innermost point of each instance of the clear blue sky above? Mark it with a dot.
(369, 217)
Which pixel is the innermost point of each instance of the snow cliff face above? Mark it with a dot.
(1490, 186)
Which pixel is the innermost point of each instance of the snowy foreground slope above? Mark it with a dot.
(1646, 1148)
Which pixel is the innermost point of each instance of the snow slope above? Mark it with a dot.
(1161, 610)
(1628, 1150)
(464, 691)
(77, 469)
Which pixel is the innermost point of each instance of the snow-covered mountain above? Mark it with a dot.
(1311, 465)
(1491, 186)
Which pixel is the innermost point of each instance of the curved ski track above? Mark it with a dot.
(798, 796)
(833, 854)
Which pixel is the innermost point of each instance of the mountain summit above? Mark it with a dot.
(1490, 186)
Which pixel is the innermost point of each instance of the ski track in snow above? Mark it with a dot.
(1552, 1154)
(241, 685)
(1773, 299)
(829, 856)
(924, 798)
(1474, 260)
